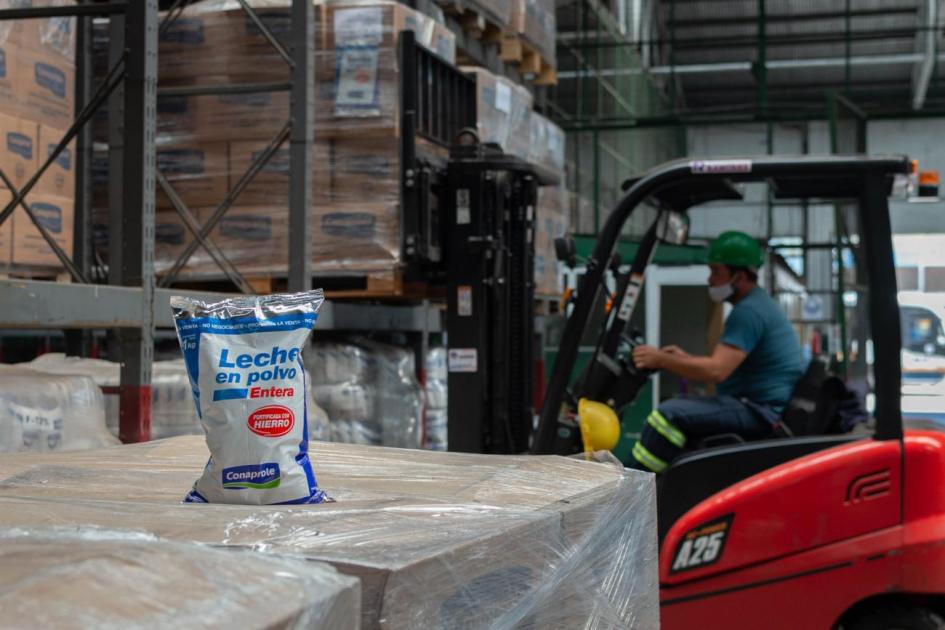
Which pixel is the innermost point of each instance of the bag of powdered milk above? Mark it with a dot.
(244, 360)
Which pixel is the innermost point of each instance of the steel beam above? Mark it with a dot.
(789, 17)
(39, 305)
(78, 10)
(137, 244)
(300, 146)
(236, 88)
(746, 66)
(926, 45)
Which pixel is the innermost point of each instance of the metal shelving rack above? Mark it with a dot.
(131, 303)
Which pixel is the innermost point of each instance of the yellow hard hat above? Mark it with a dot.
(600, 428)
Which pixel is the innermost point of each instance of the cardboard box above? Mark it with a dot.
(356, 235)
(46, 36)
(362, 24)
(208, 45)
(365, 169)
(198, 173)
(171, 236)
(90, 577)
(357, 75)
(504, 112)
(8, 72)
(493, 533)
(271, 184)
(57, 215)
(254, 238)
(45, 88)
(19, 149)
(536, 22)
(220, 118)
(59, 178)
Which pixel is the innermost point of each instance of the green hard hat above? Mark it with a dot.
(736, 249)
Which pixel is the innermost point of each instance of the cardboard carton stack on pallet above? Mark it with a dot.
(551, 216)
(541, 542)
(530, 40)
(207, 143)
(37, 89)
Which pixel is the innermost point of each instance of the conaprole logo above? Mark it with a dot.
(349, 224)
(254, 477)
(702, 545)
(271, 421)
(20, 144)
(64, 159)
(51, 78)
(48, 215)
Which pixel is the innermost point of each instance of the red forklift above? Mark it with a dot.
(808, 529)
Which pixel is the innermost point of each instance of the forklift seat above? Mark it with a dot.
(812, 409)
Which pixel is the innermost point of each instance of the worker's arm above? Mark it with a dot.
(712, 369)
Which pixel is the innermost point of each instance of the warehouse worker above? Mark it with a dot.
(755, 364)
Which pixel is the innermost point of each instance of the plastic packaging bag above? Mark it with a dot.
(244, 359)
(50, 412)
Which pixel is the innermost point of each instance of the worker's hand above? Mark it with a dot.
(648, 358)
(679, 352)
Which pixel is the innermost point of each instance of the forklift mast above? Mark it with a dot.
(488, 209)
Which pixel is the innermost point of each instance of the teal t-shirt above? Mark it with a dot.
(758, 327)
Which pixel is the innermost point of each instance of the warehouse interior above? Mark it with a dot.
(472, 313)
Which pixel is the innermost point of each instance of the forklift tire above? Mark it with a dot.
(896, 617)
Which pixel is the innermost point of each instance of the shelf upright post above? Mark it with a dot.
(137, 215)
(300, 146)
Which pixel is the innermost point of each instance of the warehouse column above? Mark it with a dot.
(137, 216)
(300, 146)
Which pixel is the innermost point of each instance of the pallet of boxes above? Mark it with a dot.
(530, 40)
(207, 144)
(505, 117)
(37, 92)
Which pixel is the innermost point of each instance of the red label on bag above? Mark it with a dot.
(271, 421)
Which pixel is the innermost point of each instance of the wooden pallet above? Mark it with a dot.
(516, 50)
(477, 24)
(38, 273)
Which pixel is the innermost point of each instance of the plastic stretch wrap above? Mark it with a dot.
(399, 406)
(37, 104)
(206, 143)
(356, 65)
(496, 12)
(551, 222)
(535, 21)
(44, 412)
(369, 391)
(439, 540)
(581, 211)
(547, 144)
(437, 393)
(504, 112)
(89, 577)
(172, 403)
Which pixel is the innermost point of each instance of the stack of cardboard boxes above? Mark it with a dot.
(37, 88)
(535, 22)
(505, 117)
(551, 217)
(207, 143)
